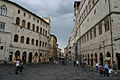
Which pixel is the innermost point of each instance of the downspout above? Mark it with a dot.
(111, 30)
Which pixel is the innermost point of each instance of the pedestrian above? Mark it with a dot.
(110, 70)
(106, 69)
(101, 70)
(74, 63)
(115, 68)
(17, 66)
(77, 62)
(21, 66)
(97, 66)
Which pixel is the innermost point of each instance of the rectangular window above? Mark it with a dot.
(106, 24)
(94, 31)
(1, 47)
(87, 36)
(100, 28)
(91, 34)
(2, 26)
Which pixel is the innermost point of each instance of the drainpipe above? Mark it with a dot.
(111, 30)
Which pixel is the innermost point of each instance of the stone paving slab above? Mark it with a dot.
(51, 72)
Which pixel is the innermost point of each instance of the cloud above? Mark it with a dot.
(60, 12)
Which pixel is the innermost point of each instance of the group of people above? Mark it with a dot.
(106, 70)
(19, 66)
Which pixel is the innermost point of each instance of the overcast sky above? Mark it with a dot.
(60, 12)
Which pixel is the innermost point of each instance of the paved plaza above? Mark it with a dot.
(51, 72)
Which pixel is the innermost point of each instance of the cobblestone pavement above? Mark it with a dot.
(51, 72)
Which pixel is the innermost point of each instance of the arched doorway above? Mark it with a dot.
(118, 60)
(24, 57)
(101, 58)
(30, 57)
(91, 59)
(96, 60)
(11, 56)
(40, 57)
(108, 58)
(17, 55)
(35, 57)
(88, 59)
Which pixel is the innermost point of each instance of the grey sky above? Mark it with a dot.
(60, 12)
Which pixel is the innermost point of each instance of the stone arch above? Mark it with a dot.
(108, 54)
(3, 10)
(24, 56)
(40, 57)
(17, 55)
(96, 59)
(35, 57)
(18, 21)
(28, 25)
(30, 57)
(101, 58)
(91, 59)
(22, 39)
(23, 23)
(16, 37)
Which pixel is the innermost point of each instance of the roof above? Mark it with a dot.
(24, 9)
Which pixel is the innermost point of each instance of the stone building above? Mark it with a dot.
(59, 52)
(23, 34)
(53, 47)
(97, 31)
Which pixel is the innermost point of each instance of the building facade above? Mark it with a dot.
(59, 52)
(97, 31)
(53, 47)
(23, 34)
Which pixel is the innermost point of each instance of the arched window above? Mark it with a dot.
(15, 38)
(22, 39)
(108, 54)
(100, 28)
(40, 43)
(23, 23)
(18, 21)
(43, 44)
(28, 25)
(3, 10)
(46, 33)
(33, 27)
(37, 29)
(36, 42)
(40, 30)
(27, 40)
(32, 41)
(106, 24)
(43, 31)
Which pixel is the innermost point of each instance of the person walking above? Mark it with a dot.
(77, 62)
(115, 68)
(97, 66)
(106, 69)
(17, 66)
(21, 66)
(102, 70)
(110, 70)
(74, 63)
